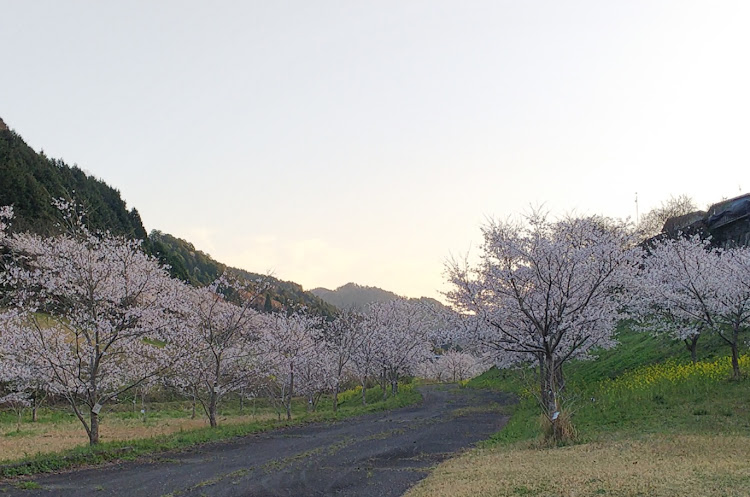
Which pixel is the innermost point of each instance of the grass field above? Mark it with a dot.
(648, 423)
(45, 437)
(654, 465)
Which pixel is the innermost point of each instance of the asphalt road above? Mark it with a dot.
(378, 455)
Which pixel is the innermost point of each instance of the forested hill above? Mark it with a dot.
(30, 180)
(198, 268)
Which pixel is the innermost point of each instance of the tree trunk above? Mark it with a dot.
(289, 394)
(692, 345)
(212, 401)
(212, 415)
(384, 383)
(551, 387)
(542, 379)
(336, 398)
(559, 380)
(34, 406)
(94, 429)
(288, 407)
(735, 356)
(192, 414)
(364, 391)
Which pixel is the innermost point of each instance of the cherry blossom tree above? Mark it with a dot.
(366, 358)
(24, 384)
(403, 330)
(430, 370)
(316, 370)
(287, 346)
(95, 314)
(453, 366)
(687, 287)
(344, 336)
(545, 291)
(733, 300)
(676, 288)
(392, 339)
(220, 343)
(19, 378)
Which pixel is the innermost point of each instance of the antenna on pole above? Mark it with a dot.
(636, 209)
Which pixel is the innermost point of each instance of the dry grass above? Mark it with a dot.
(34, 438)
(659, 466)
(562, 431)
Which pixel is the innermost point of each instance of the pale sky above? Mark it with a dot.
(344, 141)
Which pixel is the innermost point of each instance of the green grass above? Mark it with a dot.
(131, 449)
(173, 409)
(687, 405)
(44, 415)
(28, 485)
(18, 433)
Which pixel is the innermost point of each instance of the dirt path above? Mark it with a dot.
(380, 454)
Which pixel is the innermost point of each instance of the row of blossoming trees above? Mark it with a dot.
(545, 292)
(88, 316)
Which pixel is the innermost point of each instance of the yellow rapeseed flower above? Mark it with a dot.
(672, 372)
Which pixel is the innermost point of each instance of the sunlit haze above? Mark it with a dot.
(331, 142)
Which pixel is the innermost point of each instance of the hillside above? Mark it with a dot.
(199, 268)
(31, 180)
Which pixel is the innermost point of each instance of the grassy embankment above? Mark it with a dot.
(649, 424)
(58, 441)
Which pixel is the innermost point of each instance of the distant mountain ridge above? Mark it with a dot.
(354, 296)
(357, 297)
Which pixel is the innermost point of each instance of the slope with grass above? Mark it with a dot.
(648, 422)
